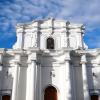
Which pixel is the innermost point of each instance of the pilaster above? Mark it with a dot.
(20, 37)
(1, 65)
(16, 77)
(68, 77)
(85, 79)
(31, 77)
(2, 52)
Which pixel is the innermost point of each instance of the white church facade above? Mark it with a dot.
(50, 61)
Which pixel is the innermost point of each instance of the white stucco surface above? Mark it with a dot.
(29, 68)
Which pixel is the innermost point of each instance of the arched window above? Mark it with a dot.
(50, 93)
(6, 97)
(50, 43)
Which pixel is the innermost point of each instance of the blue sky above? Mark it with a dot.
(77, 11)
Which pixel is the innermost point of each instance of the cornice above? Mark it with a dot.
(89, 52)
(93, 63)
(72, 28)
(56, 53)
(14, 63)
(40, 26)
(15, 51)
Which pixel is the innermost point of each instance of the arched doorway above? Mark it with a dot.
(50, 93)
(94, 97)
(50, 43)
(6, 97)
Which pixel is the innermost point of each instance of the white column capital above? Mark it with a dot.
(32, 57)
(17, 64)
(17, 57)
(17, 60)
(83, 59)
(31, 61)
(67, 58)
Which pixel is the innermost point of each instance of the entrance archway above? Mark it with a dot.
(50, 93)
(5, 97)
(94, 97)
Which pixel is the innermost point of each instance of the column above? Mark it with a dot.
(1, 57)
(30, 88)
(68, 78)
(40, 88)
(85, 79)
(1, 72)
(16, 77)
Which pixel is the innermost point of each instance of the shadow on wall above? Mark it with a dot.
(93, 73)
(96, 79)
(6, 82)
(47, 76)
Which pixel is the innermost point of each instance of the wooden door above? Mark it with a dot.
(94, 97)
(5, 97)
(50, 93)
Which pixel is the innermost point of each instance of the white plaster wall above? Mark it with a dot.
(28, 41)
(52, 65)
(57, 81)
(50, 27)
(51, 62)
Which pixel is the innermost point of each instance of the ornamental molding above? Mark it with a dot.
(14, 52)
(33, 50)
(55, 53)
(48, 29)
(50, 23)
